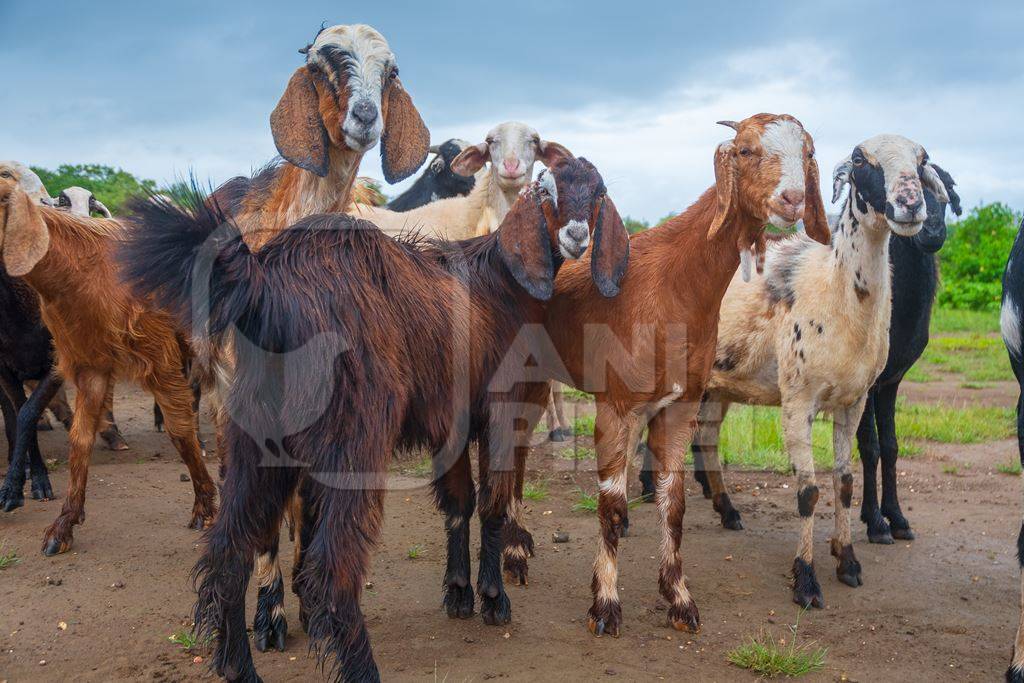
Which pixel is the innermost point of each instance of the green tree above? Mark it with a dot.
(974, 256)
(112, 186)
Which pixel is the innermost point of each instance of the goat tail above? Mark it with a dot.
(187, 257)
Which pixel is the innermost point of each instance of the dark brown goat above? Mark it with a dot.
(412, 339)
(647, 354)
(100, 332)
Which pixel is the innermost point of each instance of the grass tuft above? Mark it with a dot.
(8, 556)
(1012, 467)
(583, 425)
(187, 639)
(415, 551)
(770, 658)
(948, 320)
(577, 395)
(577, 453)
(584, 502)
(970, 424)
(535, 490)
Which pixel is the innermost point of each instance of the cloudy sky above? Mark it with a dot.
(636, 87)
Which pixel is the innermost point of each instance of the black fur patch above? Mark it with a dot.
(846, 489)
(796, 331)
(806, 499)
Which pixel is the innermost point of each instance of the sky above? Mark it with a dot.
(180, 87)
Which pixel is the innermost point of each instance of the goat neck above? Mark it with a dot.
(860, 259)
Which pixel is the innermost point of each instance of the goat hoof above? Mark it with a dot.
(200, 522)
(557, 435)
(903, 534)
(11, 498)
(496, 611)
(605, 618)
(44, 424)
(731, 520)
(806, 590)
(881, 537)
(517, 569)
(41, 488)
(115, 442)
(270, 635)
(684, 617)
(56, 546)
(458, 601)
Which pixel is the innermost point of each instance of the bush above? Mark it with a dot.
(974, 257)
(111, 186)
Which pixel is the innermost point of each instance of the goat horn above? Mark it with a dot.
(729, 124)
(434, 149)
(102, 209)
(48, 201)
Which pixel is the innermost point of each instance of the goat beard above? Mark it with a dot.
(752, 253)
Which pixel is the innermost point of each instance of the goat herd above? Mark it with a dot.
(328, 334)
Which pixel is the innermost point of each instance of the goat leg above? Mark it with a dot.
(27, 445)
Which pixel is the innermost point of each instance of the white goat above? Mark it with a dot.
(512, 148)
(27, 180)
(81, 201)
(812, 333)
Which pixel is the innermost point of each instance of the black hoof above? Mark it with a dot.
(269, 626)
(113, 439)
(53, 547)
(903, 534)
(605, 618)
(11, 499)
(41, 488)
(878, 528)
(496, 611)
(731, 520)
(1014, 675)
(684, 618)
(848, 569)
(271, 636)
(458, 601)
(647, 493)
(806, 590)
(559, 435)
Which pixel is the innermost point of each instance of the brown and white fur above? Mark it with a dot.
(812, 333)
(512, 148)
(658, 337)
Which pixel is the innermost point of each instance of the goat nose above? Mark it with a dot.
(911, 206)
(578, 231)
(511, 165)
(793, 197)
(365, 112)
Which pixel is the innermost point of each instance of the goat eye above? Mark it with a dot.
(810, 155)
(393, 74)
(745, 152)
(6, 174)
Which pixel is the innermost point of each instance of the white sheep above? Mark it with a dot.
(81, 201)
(811, 334)
(512, 148)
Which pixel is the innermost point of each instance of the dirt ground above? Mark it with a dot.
(943, 607)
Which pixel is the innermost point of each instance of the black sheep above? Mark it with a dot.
(438, 181)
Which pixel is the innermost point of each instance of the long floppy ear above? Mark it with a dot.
(298, 129)
(947, 185)
(610, 254)
(526, 247)
(471, 159)
(405, 141)
(550, 153)
(815, 220)
(725, 186)
(25, 236)
(841, 177)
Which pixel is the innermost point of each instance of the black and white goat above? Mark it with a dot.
(438, 180)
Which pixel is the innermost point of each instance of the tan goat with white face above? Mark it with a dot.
(812, 333)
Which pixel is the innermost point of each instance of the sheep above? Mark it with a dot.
(812, 334)
(438, 181)
(915, 279)
(658, 335)
(345, 98)
(1011, 324)
(99, 331)
(81, 201)
(512, 148)
(401, 313)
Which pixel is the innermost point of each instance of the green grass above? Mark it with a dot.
(583, 425)
(186, 639)
(577, 453)
(584, 502)
(950, 469)
(974, 357)
(970, 424)
(535, 490)
(769, 657)
(576, 395)
(8, 556)
(1012, 467)
(918, 373)
(948, 320)
(751, 438)
(424, 467)
(415, 551)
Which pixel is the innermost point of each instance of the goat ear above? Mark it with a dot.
(405, 141)
(297, 127)
(471, 159)
(25, 236)
(815, 220)
(841, 177)
(526, 246)
(935, 176)
(550, 153)
(610, 255)
(725, 186)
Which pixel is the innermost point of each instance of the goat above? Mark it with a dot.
(398, 315)
(1011, 324)
(438, 181)
(99, 331)
(658, 335)
(512, 148)
(812, 335)
(915, 279)
(336, 107)
(81, 201)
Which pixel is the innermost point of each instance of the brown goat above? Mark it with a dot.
(658, 337)
(355, 346)
(100, 332)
